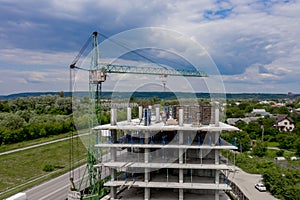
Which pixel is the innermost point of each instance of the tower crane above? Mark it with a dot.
(99, 70)
(97, 75)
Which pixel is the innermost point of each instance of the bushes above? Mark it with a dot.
(34, 117)
(287, 141)
(283, 184)
(259, 149)
(279, 153)
(34, 129)
(48, 168)
(44, 104)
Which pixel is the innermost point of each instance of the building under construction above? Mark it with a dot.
(169, 153)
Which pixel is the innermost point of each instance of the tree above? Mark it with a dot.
(259, 149)
(287, 140)
(4, 107)
(234, 112)
(33, 117)
(11, 121)
(280, 110)
(280, 153)
(282, 186)
(241, 137)
(297, 146)
(254, 130)
(155, 100)
(61, 94)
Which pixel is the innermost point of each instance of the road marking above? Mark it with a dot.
(50, 194)
(61, 188)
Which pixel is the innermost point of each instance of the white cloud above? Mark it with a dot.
(239, 35)
(31, 57)
(13, 81)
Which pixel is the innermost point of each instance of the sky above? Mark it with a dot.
(254, 44)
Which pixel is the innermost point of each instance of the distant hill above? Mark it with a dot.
(28, 94)
(161, 95)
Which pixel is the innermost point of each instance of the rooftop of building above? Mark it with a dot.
(136, 125)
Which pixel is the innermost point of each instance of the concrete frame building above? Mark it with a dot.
(170, 155)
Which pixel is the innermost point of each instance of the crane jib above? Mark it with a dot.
(152, 71)
(146, 70)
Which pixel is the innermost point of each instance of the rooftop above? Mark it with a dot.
(135, 125)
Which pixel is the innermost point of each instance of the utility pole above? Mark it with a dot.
(262, 132)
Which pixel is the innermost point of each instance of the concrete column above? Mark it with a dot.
(140, 113)
(147, 173)
(181, 151)
(217, 115)
(113, 192)
(217, 177)
(147, 194)
(180, 121)
(113, 116)
(146, 154)
(146, 158)
(157, 114)
(180, 194)
(147, 190)
(217, 160)
(217, 174)
(128, 114)
(217, 196)
(180, 138)
(113, 121)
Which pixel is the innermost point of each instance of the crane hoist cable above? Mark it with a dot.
(82, 50)
(130, 50)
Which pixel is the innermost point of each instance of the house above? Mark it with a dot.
(265, 102)
(233, 121)
(284, 123)
(277, 104)
(290, 109)
(261, 112)
(298, 111)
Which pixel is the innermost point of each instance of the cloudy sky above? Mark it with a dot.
(254, 43)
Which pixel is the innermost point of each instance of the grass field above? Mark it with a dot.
(273, 144)
(18, 145)
(21, 167)
(254, 164)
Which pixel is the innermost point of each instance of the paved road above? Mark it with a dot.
(246, 183)
(273, 148)
(56, 188)
(38, 145)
